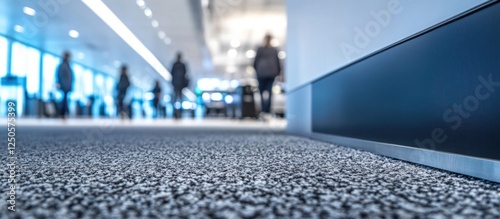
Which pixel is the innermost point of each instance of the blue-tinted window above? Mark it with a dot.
(77, 93)
(109, 98)
(88, 85)
(26, 63)
(4, 51)
(99, 85)
(110, 85)
(49, 68)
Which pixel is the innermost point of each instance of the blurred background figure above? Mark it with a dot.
(179, 82)
(156, 100)
(121, 90)
(65, 82)
(267, 66)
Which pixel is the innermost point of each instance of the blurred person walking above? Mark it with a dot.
(267, 66)
(180, 81)
(121, 90)
(156, 99)
(65, 82)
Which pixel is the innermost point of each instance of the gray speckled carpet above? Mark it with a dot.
(186, 173)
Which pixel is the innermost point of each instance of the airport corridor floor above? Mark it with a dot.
(155, 172)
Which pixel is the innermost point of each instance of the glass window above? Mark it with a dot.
(26, 63)
(99, 85)
(77, 93)
(109, 98)
(50, 64)
(110, 86)
(33, 72)
(4, 51)
(88, 85)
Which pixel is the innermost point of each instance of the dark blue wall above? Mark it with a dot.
(429, 92)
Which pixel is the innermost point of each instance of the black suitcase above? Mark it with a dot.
(248, 102)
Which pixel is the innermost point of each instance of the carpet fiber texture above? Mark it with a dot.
(103, 172)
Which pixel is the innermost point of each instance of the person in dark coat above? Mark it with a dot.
(267, 66)
(156, 100)
(65, 82)
(179, 81)
(121, 90)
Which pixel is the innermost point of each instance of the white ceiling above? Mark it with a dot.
(186, 24)
(245, 22)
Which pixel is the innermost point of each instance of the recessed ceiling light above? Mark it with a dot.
(117, 63)
(161, 34)
(19, 28)
(235, 43)
(80, 55)
(29, 11)
(231, 69)
(155, 23)
(148, 12)
(73, 33)
(250, 54)
(141, 3)
(282, 55)
(250, 70)
(167, 41)
(205, 3)
(232, 53)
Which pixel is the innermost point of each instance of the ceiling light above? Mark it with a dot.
(282, 55)
(80, 55)
(275, 42)
(117, 64)
(232, 53)
(250, 70)
(74, 33)
(235, 43)
(141, 3)
(167, 41)
(205, 3)
(250, 54)
(148, 12)
(106, 68)
(161, 34)
(19, 28)
(155, 23)
(29, 11)
(99, 8)
(231, 69)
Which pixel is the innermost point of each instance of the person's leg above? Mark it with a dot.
(179, 93)
(177, 98)
(121, 107)
(119, 103)
(64, 105)
(262, 88)
(268, 86)
(157, 107)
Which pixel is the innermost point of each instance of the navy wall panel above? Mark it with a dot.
(439, 90)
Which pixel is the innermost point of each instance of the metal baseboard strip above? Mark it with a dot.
(471, 166)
